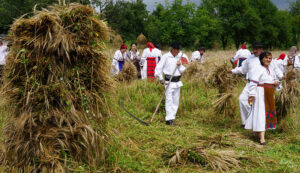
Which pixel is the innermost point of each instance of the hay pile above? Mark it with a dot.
(53, 81)
(141, 40)
(128, 73)
(197, 71)
(118, 41)
(288, 97)
(217, 160)
(225, 83)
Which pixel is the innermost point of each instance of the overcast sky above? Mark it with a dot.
(151, 4)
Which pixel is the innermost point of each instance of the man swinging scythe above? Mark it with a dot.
(171, 66)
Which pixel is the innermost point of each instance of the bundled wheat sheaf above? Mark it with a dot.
(128, 73)
(141, 40)
(53, 80)
(197, 71)
(118, 41)
(224, 82)
(288, 95)
(217, 160)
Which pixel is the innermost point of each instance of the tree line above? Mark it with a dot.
(213, 24)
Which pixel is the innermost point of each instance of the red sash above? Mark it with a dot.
(151, 64)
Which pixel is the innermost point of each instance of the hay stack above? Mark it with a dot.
(54, 75)
(128, 73)
(141, 40)
(288, 95)
(224, 82)
(118, 41)
(197, 71)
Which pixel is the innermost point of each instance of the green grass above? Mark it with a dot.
(137, 148)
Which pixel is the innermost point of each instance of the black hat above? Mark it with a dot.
(257, 44)
(175, 45)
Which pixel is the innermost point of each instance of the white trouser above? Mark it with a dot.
(244, 105)
(172, 102)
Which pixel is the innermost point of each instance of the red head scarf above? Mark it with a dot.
(282, 56)
(123, 46)
(244, 46)
(150, 46)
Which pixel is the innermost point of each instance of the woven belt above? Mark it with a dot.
(266, 85)
(252, 81)
(174, 79)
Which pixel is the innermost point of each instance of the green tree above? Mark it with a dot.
(238, 20)
(295, 20)
(183, 23)
(9, 10)
(284, 25)
(127, 18)
(268, 13)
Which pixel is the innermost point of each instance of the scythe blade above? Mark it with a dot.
(133, 116)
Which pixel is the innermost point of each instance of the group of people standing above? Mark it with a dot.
(257, 100)
(146, 62)
(167, 68)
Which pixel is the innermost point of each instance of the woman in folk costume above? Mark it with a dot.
(133, 55)
(280, 62)
(241, 55)
(150, 58)
(292, 60)
(262, 115)
(171, 62)
(119, 60)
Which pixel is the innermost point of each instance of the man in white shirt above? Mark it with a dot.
(198, 55)
(169, 62)
(241, 55)
(119, 59)
(150, 58)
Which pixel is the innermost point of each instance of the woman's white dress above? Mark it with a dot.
(256, 120)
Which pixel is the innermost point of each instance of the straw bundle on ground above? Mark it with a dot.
(128, 73)
(54, 75)
(217, 160)
(118, 41)
(141, 40)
